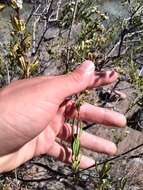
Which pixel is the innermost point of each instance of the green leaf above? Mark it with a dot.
(75, 165)
(76, 146)
(18, 25)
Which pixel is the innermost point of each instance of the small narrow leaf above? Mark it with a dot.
(76, 147)
(18, 25)
(2, 6)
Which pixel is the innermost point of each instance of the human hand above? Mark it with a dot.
(33, 112)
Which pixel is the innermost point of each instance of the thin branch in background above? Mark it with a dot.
(134, 13)
(140, 155)
(124, 32)
(34, 14)
(36, 180)
(48, 14)
(134, 103)
(34, 35)
(114, 158)
(40, 41)
(55, 172)
(127, 29)
(112, 50)
(88, 126)
(30, 16)
(69, 34)
(111, 92)
(57, 12)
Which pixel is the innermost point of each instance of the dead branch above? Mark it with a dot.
(69, 34)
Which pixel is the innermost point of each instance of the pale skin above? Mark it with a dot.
(33, 113)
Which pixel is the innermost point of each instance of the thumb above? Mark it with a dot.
(83, 77)
(72, 83)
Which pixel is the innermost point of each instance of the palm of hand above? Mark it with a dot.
(34, 118)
